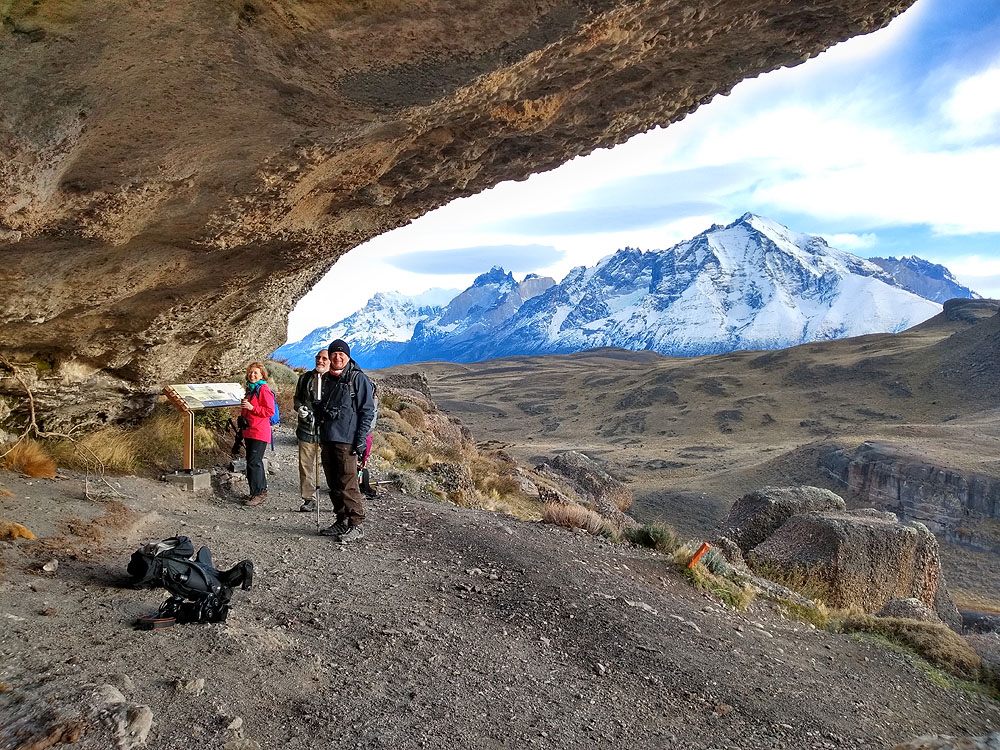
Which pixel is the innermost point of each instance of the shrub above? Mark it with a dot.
(576, 517)
(284, 395)
(412, 414)
(659, 536)
(933, 641)
(280, 374)
(28, 457)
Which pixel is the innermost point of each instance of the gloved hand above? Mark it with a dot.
(305, 414)
(359, 449)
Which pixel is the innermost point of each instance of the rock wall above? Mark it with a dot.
(174, 176)
(950, 502)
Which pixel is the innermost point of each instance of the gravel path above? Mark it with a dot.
(447, 627)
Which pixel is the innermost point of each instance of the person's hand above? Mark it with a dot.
(360, 451)
(244, 404)
(305, 414)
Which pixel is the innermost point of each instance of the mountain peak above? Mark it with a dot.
(495, 275)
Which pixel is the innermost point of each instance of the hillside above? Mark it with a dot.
(448, 627)
(692, 435)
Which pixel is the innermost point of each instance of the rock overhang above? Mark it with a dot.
(173, 178)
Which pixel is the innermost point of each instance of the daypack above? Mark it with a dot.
(276, 417)
(200, 592)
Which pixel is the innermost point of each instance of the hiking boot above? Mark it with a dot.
(338, 529)
(353, 534)
(308, 506)
(256, 500)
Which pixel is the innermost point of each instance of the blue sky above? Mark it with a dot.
(887, 144)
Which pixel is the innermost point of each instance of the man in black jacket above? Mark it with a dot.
(309, 393)
(345, 415)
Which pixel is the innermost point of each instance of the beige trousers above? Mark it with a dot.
(308, 456)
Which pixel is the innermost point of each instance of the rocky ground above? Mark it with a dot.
(446, 627)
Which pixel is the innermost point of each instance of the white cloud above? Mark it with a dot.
(851, 242)
(974, 105)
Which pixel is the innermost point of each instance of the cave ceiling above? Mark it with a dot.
(175, 176)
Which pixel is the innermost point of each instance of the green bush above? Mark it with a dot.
(659, 536)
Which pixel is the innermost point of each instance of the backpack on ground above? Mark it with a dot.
(200, 592)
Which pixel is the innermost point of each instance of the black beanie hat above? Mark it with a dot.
(339, 346)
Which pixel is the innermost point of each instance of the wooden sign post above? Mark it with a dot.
(188, 398)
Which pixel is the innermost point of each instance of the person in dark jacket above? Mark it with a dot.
(345, 414)
(308, 395)
(257, 408)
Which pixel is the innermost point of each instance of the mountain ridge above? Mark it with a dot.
(750, 284)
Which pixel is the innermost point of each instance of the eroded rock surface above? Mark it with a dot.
(173, 177)
(860, 558)
(754, 517)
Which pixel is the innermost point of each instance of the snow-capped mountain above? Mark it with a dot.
(753, 284)
(930, 280)
(387, 318)
(471, 318)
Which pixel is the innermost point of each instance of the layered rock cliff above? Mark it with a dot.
(952, 503)
(173, 177)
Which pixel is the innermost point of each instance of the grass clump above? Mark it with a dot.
(278, 374)
(659, 536)
(576, 517)
(28, 457)
(935, 642)
(736, 595)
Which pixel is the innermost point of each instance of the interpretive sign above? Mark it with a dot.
(193, 396)
(189, 397)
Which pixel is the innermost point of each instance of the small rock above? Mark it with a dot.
(51, 566)
(236, 724)
(194, 687)
(600, 669)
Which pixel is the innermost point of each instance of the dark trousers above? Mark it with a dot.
(340, 465)
(255, 466)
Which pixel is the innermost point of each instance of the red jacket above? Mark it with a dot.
(259, 415)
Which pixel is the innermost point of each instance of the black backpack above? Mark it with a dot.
(200, 592)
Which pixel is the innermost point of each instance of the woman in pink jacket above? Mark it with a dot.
(257, 408)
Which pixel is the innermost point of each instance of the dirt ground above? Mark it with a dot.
(446, 627)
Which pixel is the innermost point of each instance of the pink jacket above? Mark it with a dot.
(259, 415)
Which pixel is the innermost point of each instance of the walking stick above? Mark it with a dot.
(318, 449)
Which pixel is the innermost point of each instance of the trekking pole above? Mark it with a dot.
(318, 448)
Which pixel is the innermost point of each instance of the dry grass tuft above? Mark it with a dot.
(576, 517)
(156, 443)
(4, 492)
(935, 642)
(13, 530)
(28, 457)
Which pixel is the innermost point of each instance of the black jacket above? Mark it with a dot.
(347, 410)
(306, 430)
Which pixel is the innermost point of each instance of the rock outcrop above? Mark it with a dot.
(174, 177)
(862, 558)
(949, 501)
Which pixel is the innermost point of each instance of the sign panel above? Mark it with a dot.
(192, 396)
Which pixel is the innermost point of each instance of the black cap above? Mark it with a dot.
(339, 346)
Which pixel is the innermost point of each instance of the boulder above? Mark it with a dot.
(591, 480)
(862, 558)
(754, 517)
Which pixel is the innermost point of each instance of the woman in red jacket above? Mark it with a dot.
(257, 408)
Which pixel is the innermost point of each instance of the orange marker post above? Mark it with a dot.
(698, 555)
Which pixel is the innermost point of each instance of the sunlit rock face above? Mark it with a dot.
(174, 176)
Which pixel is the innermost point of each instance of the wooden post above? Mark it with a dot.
(187, 460)
(698, 555)
(188, 464)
